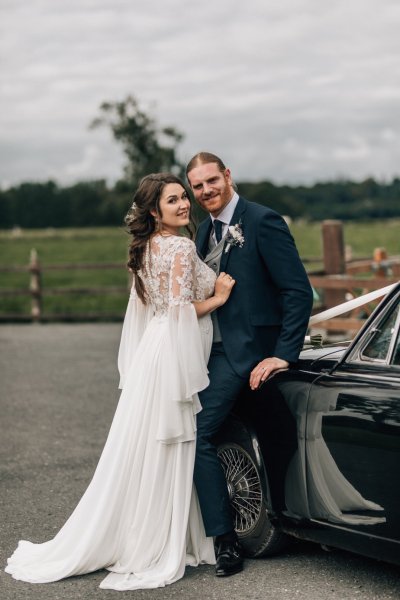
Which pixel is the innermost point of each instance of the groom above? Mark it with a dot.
(260, 329)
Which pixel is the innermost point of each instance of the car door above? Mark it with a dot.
(353, 443)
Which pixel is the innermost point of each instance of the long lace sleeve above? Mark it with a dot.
(182, 275)
(163, 346)
(183, 320)
(136, 319)
(186, 367)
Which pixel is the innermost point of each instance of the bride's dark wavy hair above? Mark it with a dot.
(142, 224)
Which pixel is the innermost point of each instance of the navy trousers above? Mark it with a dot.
(217, 401)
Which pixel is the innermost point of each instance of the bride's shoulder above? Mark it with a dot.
(171, 247)
(182, 244)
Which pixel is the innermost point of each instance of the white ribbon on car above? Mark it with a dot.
(345, 307)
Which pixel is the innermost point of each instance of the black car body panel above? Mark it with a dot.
(329, 434)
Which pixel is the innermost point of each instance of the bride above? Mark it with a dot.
(139, 518)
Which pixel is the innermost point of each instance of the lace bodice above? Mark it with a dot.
(174, 275)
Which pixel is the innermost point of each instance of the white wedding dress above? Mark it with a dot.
(139, 518)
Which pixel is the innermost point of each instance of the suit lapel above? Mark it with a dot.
(202, 237)
(237, 216)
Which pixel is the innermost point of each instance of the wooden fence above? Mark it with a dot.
(36, 291)
(340, 279)
(343, 278)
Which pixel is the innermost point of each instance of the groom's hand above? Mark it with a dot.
(264, 369)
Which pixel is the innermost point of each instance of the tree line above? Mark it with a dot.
(85, 204)
(149, 148)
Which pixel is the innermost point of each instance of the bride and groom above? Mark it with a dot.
(193, 337)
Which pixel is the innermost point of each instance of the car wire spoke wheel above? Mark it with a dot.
(258, 536)
(244, 486)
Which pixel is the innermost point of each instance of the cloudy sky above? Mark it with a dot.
(293, 91)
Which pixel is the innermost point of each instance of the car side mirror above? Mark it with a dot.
(313, 341)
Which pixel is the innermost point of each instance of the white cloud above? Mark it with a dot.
(357, 148)
(293, 91)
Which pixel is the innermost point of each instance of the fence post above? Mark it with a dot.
(380, 265)
(35, 286)
(334, 258)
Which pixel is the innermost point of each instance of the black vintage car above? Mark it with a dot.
(315, 453)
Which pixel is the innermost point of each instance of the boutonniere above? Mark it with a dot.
(234, 236)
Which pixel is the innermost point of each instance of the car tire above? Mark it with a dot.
(258, 536)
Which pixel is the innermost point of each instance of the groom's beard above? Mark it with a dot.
(215, 202)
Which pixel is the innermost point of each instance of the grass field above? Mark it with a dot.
(109, 245)
(60, 247)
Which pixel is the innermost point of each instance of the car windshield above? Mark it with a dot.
(396, 354)
(380, 343)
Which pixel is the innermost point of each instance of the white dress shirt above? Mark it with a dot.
(226, 215)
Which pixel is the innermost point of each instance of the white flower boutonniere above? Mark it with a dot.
(234, 236)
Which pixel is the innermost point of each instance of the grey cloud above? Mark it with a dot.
(292, 91)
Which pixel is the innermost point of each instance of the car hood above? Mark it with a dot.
(321, 358)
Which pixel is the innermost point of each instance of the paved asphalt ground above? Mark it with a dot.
(58, 392)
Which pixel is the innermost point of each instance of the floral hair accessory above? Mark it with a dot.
(131, 215)
(234, 236)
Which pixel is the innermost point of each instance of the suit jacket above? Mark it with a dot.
(269, 308)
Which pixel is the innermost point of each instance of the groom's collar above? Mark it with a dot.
(226, 215)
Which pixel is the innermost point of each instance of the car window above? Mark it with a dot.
(379, 344)
(396, 353)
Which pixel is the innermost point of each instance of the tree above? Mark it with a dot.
(148, 148)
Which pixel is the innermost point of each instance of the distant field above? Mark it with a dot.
(109, 245)
(66, 246)
(362, 237)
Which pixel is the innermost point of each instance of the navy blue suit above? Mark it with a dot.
(266, 315)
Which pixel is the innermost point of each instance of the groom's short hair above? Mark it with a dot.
(204, 158)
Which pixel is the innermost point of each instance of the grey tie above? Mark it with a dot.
(218, 230)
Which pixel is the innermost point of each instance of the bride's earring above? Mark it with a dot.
(158, 223)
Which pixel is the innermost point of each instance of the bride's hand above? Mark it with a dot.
(223, 287)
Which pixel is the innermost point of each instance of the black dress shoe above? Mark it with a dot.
(229, 556)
